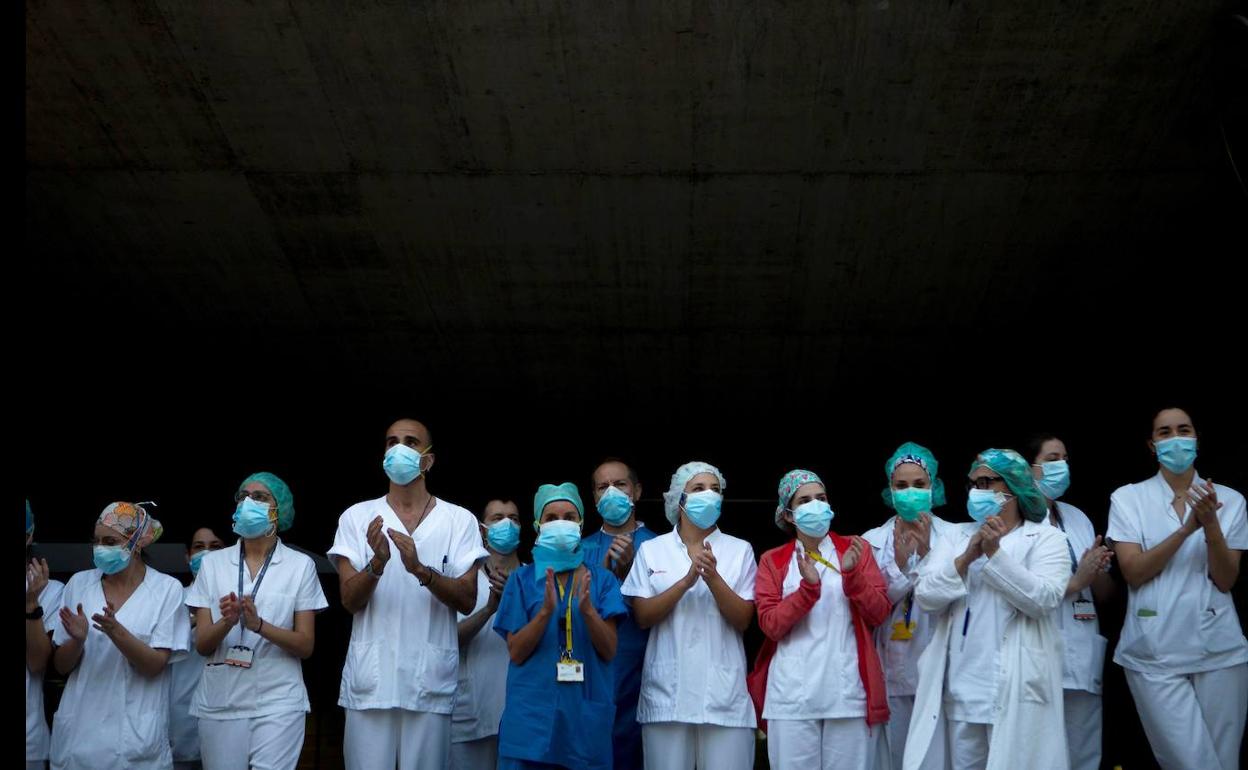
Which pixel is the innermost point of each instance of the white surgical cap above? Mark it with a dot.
(671, 498)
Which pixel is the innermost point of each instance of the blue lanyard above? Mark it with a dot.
(255, 587)
(1073, 560)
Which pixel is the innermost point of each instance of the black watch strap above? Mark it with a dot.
(36, 614)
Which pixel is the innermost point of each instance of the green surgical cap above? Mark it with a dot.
(549, 493)
(1017, 474)
(921, 456)
(281, 492)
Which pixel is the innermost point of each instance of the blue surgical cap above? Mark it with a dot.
(281, 492)
(549, 493)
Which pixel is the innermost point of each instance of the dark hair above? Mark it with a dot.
(1033, 445)
(1182, 409)
(428, 430)
(499, 498)
(632, 474)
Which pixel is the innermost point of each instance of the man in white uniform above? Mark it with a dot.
(398, 684)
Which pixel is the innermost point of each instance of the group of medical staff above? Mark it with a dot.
(923, 643)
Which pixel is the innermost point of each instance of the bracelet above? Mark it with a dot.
(259, 626)
(432, 572)
(370, 569)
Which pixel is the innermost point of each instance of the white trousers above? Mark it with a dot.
(682, 746)
(271, 742)
(968, 745)
(380, 739)
(1083, 729)
(1193, 720)
(475, 755)
(893, 749)
(820, 744)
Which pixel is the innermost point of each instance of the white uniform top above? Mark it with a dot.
(274, 683)
(814, 674)
(694, 670)
(111, 717)
(1188, 625)
(482, 687)
(900, 657)
(975, 668)
(404, 651)
(36, 722)
(1084, 656)
(183, 680)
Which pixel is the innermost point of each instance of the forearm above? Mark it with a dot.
(296, 642)
(469, 627)
(653, 610)
(1139, 568)
(520, 644)
(460, 594)
(66, 657)
(601, 634)
(208, 636)
(1223, 562)
(736, 611)
(144, 659)
(776, 617)
(357, 590)
(38, 647)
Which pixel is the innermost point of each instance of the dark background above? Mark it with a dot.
(769, 237)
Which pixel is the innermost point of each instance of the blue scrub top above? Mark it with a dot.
(632, 637)
(544, 720)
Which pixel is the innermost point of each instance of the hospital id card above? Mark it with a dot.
(903, 632)
(239, 656)
(1084, 610)
(569, 671)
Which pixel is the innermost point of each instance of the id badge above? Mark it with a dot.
(1084, 610)
(569, 671)
(902, 632)
(238, 656)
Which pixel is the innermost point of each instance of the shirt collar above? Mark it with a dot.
(236, 549)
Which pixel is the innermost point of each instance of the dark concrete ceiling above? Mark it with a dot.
(519, 205)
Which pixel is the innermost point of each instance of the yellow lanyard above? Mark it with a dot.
(567, 653)
(819, 558)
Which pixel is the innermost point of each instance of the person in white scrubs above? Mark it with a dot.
(694, 589)
(398, 683)
(817, 680)
(913, 490)
(43, 603)
(1089, 585)
(1178, 538)
(255, 607)
(184, 674)
(483, 657)
(994, 663)
(119, 625)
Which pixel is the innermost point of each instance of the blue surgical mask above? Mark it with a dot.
(1056, 479)
(982, 503)
(197, 560)
(615, 507)
(110, 559)
(251, 518)
(912, 502)
(703, 508)
(503, 536)
(1176, 454)
(558, 546)
(402, 464)
(813, 518)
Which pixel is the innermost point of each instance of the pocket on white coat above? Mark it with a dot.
(1036, 681)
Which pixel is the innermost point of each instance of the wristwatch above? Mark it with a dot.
(370, 570)
(35, 614)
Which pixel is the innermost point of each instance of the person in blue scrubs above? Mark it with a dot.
(616, 492)
(558, 693)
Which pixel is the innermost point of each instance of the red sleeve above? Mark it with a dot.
(866, 589)
(776, 616)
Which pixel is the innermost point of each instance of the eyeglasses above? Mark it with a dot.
(259, 496)
(983, 482)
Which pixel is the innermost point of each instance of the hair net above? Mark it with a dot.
(788, 487)
(549, 493)
(30, 519)
(921, 456)
(671, 498)
(280, 492)
(133, 522)
(1017, 474)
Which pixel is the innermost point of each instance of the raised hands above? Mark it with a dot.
(75, 623)
(407, 551)
(850, 558)
(377, 542)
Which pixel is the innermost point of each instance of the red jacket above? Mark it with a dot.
(868, 606)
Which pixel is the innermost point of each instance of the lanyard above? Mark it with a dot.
(255, 587)
(567, 651)
(1071, 549)
(909, 606)
(819, 558)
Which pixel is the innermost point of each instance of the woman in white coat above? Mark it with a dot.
(1178, 539)
(120, 624)
(1089, 585)
(994, 663)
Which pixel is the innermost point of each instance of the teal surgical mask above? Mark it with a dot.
(615, 507)
(558, 547)
(251, 518)
(703, 508)
(982, 503)
(402, 464)
(1056, 479)
(813, 518)
(503, 536)
(912, 502)
(110, 559)
(1176, 454)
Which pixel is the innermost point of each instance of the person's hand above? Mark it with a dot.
(378, 543)
(806, 568)
(407, 552)
(852, 554)
(583, 601)
(1205, 505)
(75, 624)
(498, 581)
(705, 563)
(548, 601)
(621, 552)
(36, 581)
(250, 618)
(990, 533)
(1093, 561)
(691, 577)
(106, 621)
(974, 548)
(231, 609)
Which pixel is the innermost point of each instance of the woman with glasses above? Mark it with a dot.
(994, 664)
(1178, 538)
(1084, 646)
(118, 628)
(255, 604)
